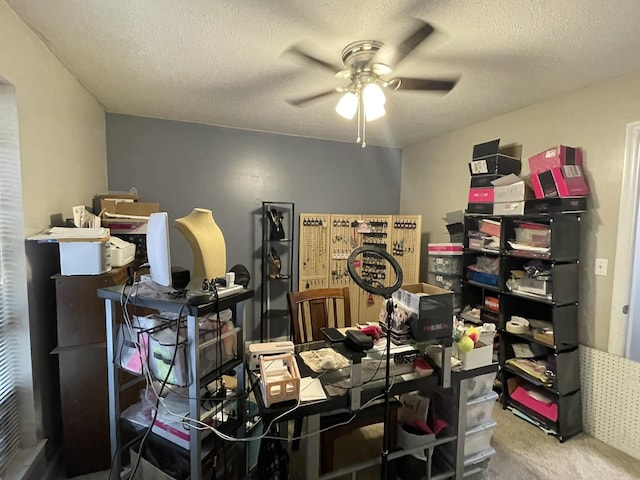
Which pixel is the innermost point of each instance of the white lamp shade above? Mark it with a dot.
(374, 100)
(348, 105)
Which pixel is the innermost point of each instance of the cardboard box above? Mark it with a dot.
(125, 226)
(565, 181)
(555, 157)
(101, 201)
(491, 159)
(481, 195)
(511, 188)
(85, 258)
(431, 310)
(555, 205)
(478, 357)
(509, 208)
(137, 209)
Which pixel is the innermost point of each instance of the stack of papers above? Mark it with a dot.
(69, 234)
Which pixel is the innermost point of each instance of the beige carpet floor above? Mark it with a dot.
(523, 452)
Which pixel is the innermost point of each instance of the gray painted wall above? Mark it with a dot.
(229, 171)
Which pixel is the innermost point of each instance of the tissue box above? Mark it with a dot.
(431, 310)
(84, 258)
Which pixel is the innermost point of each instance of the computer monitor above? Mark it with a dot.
(158, 251)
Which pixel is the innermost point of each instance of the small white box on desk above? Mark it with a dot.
(84, 258)
(481, 355)
(122, 252)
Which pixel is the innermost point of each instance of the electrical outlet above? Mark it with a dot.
(601, 266)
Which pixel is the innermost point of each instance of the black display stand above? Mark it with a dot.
(278, 220)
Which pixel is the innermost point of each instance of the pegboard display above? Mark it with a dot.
(344, 237)
(610, 391)
(313, 263)
(406, 235)
(375, 231)
(327, 240)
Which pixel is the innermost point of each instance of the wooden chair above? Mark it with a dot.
(310, 310)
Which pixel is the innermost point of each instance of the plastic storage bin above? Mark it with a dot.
(478, 438)
(538, 237)
(448, 282)
(481, 385)
(480, 409)
(483, 277)
(447, 264)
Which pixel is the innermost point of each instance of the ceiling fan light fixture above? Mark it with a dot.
(347, 105)
(373, 100)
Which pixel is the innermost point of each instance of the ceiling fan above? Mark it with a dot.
(369, 67)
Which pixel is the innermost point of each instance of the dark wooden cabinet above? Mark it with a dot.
(82, 357)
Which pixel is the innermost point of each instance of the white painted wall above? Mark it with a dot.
(435, 177)
(62, 127)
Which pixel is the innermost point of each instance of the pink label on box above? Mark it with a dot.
(481, 195)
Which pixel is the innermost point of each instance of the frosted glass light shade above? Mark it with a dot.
(374, 100)
(348, 105)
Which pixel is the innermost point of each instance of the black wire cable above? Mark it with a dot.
(164, 382)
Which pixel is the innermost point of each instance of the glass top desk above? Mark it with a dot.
(361, 384)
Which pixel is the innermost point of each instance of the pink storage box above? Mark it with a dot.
(444, 248)
(481, 195)
(547, 410)
(565, 181)
(555, 157)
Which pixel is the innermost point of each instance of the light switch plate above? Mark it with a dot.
(602, 265)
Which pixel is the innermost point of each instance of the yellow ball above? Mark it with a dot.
(465, 345)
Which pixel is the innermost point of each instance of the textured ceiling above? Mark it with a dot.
(221, 62)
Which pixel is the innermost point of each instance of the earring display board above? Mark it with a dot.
(327, 240)
(375, 231)
(406, 237)
(313, 261)
(344, 238)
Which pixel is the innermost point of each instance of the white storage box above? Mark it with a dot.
(481, 355)
(480, 385)
(478, 438)
(480, 410)
(84, 258)
(121, 252)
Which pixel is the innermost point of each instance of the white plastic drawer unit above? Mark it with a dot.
(481, 385)
(478, 438)
(480, 409)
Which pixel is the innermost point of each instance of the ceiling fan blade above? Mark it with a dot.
(297, 51)
(297, 102)
(421, 84)
(393, 56)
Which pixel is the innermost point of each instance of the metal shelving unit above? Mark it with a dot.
(274, 313)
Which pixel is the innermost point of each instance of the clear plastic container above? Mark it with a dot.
(480, 409)
(537, 237)
(481, 385)
(478, 438)
(447, 264)
(448, 282)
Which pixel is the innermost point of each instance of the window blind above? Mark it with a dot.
(11, 248)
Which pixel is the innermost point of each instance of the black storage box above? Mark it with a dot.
(491, 159)
(481, 208)
(555, 205)
(482, 181)
(456, 232)
(430, 309)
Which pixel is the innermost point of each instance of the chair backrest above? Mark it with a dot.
(310, 310)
